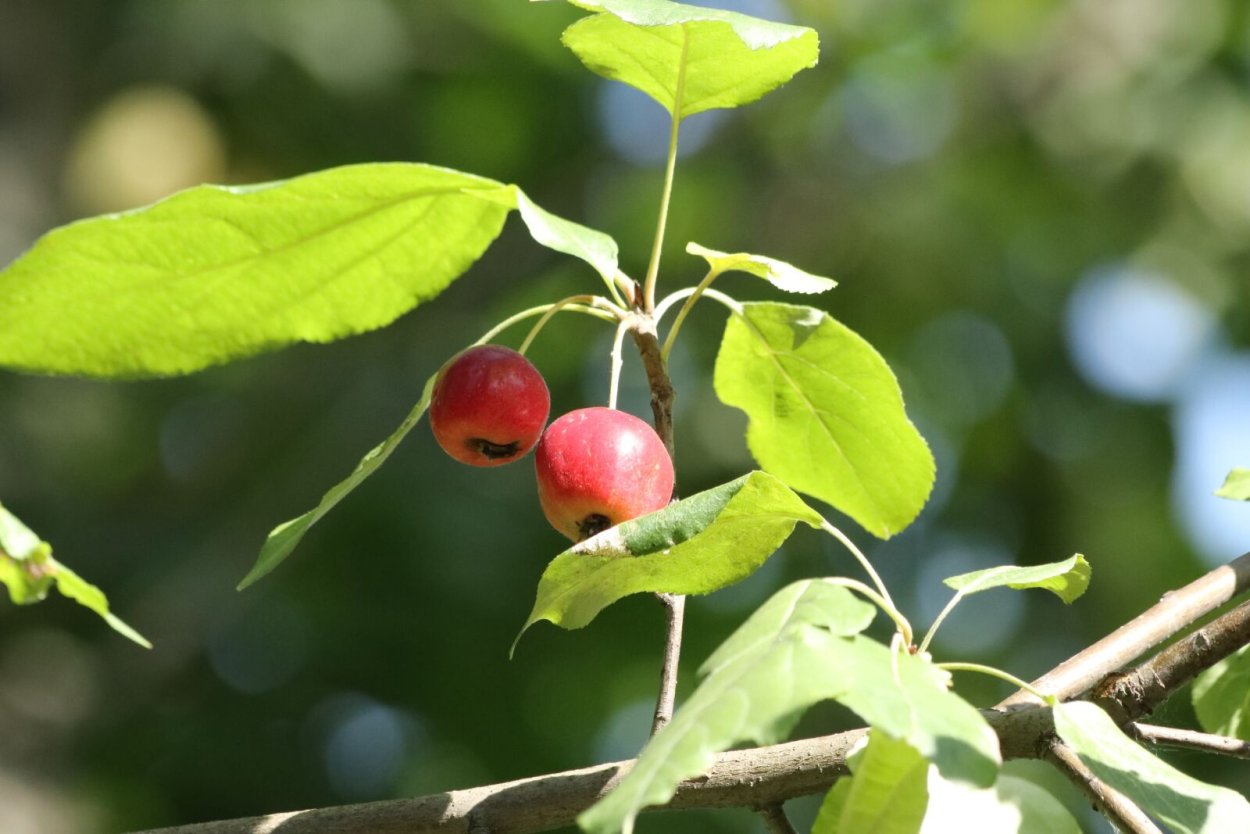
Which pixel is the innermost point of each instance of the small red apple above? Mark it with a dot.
(489, 406)
(598, 467)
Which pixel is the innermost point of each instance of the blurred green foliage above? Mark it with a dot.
(959, 168)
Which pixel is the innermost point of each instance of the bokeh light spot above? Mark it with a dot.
(1135, 334)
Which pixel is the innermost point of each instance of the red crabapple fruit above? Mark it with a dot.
(598, 467)
(489, 406)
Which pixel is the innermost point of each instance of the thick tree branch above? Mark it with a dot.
(1127, 696)
(1112, 804)
(1189, 740)
(767, 776)
(1175, 611)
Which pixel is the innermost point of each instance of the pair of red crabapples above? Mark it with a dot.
(596, 467)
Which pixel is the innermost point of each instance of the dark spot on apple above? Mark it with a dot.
(494, 451)
(592, 525)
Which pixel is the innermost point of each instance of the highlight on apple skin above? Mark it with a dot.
(597, 467)
(489, 406)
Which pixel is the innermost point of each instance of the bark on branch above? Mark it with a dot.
(767, 776)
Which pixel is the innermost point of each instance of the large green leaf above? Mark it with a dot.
(1236, 486)
(894, 790)
(283, 538)
(887, 793)
(217, 273)
(768, 673)
(694, 546)
(689, 58)
(1067, 579)
(801, 647)
(1184, 804)
(1011, 806)
(1221, 696)
(826, 414)
(28, 570)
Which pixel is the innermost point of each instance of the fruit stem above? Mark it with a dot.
(573, 301)
(617, 362)
(653, 267)
(600, 308)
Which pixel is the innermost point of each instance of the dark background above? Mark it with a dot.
(1037, 211)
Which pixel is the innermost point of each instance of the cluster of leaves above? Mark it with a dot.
(215, 274)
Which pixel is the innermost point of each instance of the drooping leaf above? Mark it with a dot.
(694, 546)
(756, 692)
(282, 539)
(826, 414)
(780, 274)
(887, 793)
(1184, 804)
(1221, 696)
(590, 245)
(1067, 579)
(689, 58)
(1236, 486)
(791, 654)
(1011, 806)
(216, 273)
(28, 570)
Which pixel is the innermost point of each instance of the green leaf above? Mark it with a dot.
(826, 414)
(689, 58)
(886, 795)
(756, 692)
(780, 274)
(1221, 696)
(694, 546)
(1067, 579)
(283, 538)
(1184, 804)
(217, 273)
(590, 245)
(801, 647)
(84, 593)
(28, 570)
(1236, 485)
(1011, 806)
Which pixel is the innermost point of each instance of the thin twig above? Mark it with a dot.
(665, 702)
(1189, 740)
(1171, 615)
(1112, 804)
(775, 819)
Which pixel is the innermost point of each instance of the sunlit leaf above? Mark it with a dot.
(1067, 579)
(791, 654)
(217, 273)
(28, 571)
(887, 793)
(756, 692)
(283, 538)
(1184, 804)
(780, 274)
(1011, 806)
(826, 414)
(689, 58)
(694, 546)
(1221, 696)
(1236, 486)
